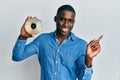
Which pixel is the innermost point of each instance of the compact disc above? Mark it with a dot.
(33, 26)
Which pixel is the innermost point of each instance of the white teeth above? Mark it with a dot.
(65, 29)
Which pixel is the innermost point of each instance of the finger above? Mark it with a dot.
(34, 17)
(96, 48)
(95, 42)
(100, 38)
(27, 18)
(94, 45)
(91, 41)
(31, 17)
(31, 35)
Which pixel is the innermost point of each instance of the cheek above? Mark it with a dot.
(71, 25)
(60, 23)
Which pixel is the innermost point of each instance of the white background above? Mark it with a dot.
(94, 17)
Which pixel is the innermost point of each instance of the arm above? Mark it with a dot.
(83, 72)
(93, 49)
(21, 50)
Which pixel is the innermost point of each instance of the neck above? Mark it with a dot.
(61, 38)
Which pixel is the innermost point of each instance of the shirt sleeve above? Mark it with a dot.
(83, 72)
(87, 74)
(22, 50)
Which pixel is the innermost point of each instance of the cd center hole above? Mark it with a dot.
(33, 25)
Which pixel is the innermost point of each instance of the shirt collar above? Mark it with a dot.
(71, 37)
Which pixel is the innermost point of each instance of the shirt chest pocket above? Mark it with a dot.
(67, 59)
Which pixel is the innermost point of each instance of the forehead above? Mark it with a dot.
(67, 14)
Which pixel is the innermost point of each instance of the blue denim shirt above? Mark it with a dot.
(65, 61)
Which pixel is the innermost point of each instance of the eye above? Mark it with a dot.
(71, 20)
(62, 19)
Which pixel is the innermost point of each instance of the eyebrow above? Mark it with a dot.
(61, 18)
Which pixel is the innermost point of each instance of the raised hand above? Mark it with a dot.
(23, 33)
(93, 49)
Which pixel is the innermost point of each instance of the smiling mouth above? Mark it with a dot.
(65, 29)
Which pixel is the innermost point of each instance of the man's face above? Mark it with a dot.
(64, 22)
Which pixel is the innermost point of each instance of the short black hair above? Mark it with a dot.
(65, 7)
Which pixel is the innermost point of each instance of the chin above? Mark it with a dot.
(65, 34)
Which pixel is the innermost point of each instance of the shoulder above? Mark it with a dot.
(80, 45)
(82, 41)
(44, 35)
(79, 40)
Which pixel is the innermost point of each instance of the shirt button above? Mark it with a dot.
(58, 50)
(56, 62)
(55, 73)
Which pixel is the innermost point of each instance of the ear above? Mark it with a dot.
(74, 21)
(55, 18)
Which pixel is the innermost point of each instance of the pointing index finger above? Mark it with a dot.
(100, 38)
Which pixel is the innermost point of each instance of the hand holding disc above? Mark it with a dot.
(33, 26)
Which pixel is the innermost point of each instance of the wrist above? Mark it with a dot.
(88, 62)
(22, 37)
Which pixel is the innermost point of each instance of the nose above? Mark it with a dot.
(66, 23)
